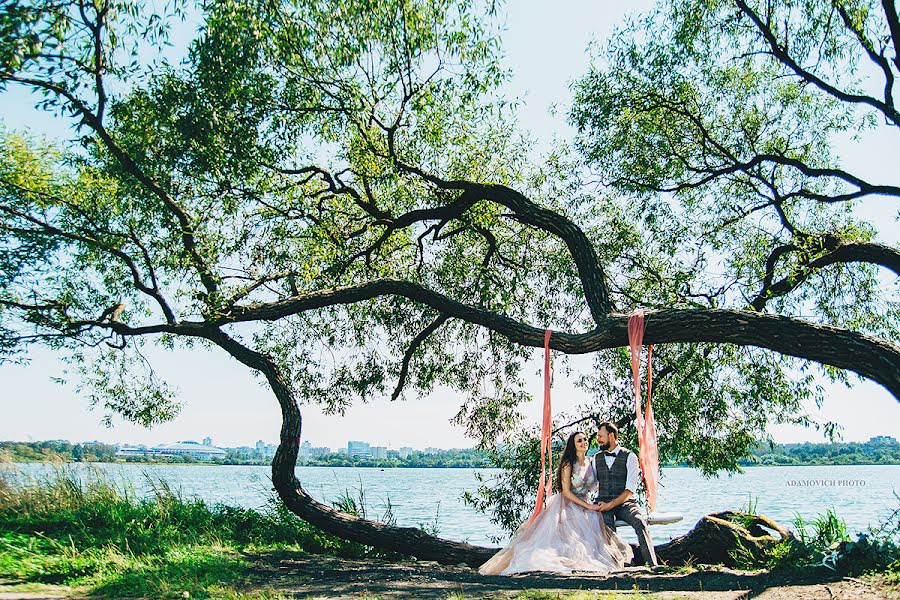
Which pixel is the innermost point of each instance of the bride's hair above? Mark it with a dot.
(567, 458)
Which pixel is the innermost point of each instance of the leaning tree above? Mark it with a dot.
(336, 195)
(715, 125)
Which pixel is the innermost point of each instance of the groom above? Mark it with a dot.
(618, 473)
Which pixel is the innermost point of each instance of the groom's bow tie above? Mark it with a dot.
(610, 453)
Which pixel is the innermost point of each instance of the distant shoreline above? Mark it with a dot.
(880, 450)
(385, 467)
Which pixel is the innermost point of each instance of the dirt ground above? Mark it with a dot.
(309, 576)
(304, 576)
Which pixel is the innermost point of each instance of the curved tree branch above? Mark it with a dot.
(413, 346)
(405, 540)
(593, 278)
(849, 252)
(864, 187)
(597, 419)
(874, 56)
(782, 54)
(871, 357)
(46, 229)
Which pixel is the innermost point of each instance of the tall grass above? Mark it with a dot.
(93, 532)
(822, 532)
(752, 505)
(825, 542)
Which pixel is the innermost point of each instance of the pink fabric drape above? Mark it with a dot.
(648, 454)
(545, 485)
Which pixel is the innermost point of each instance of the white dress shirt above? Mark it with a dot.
(633, 470)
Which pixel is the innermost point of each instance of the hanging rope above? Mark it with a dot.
(648, 454)
(545, 485)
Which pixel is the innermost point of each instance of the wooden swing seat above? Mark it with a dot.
(657, 518)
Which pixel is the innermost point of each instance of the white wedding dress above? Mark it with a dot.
(564, 537)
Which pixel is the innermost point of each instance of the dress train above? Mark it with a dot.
(564, 537)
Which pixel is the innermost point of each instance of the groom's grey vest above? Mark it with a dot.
(612, 479)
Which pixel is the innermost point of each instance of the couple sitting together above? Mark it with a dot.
(576, 531)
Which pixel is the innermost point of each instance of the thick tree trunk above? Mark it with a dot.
(411, 541)
(718, 540)
(406, 540)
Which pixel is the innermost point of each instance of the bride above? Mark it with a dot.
(569, 534)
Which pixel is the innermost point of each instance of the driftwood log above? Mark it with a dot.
(726, 538)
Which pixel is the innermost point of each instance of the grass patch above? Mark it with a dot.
(825, 543)
(99, 537)
(192, 569)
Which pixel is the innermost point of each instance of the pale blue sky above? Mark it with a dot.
(545, 47)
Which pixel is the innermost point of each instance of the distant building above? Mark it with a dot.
(207, 441)
(379, 452)
(393, 454)
(307, 451)
(188, 448)
(883, 440)
(360, 449)
(405, 451)
(244, 452)
(433, 451)
(126, 450)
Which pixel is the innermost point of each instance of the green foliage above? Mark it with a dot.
(304, 156)
(449, 459)
(90, 532)
(829, 529)
(55, 451)
(873, 452)
(507, 495)
(63, 451)
(691, 100)
(214, 142)
(47, 451)
(750, 506)
(826, 530)
(826, 543)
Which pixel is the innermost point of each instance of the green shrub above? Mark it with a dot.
(65, 528)
(826, 543)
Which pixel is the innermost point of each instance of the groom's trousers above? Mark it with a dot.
(630, 512)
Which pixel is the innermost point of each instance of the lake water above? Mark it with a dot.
(861, 495)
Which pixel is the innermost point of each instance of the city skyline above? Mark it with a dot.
(209, 440)
(306, 444)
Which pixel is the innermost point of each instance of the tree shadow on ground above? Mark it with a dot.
(302, 575)
(179, 573)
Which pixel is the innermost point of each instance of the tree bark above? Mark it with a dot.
(405, 540)
(869, 356)
(718, 540)
(715, 540)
